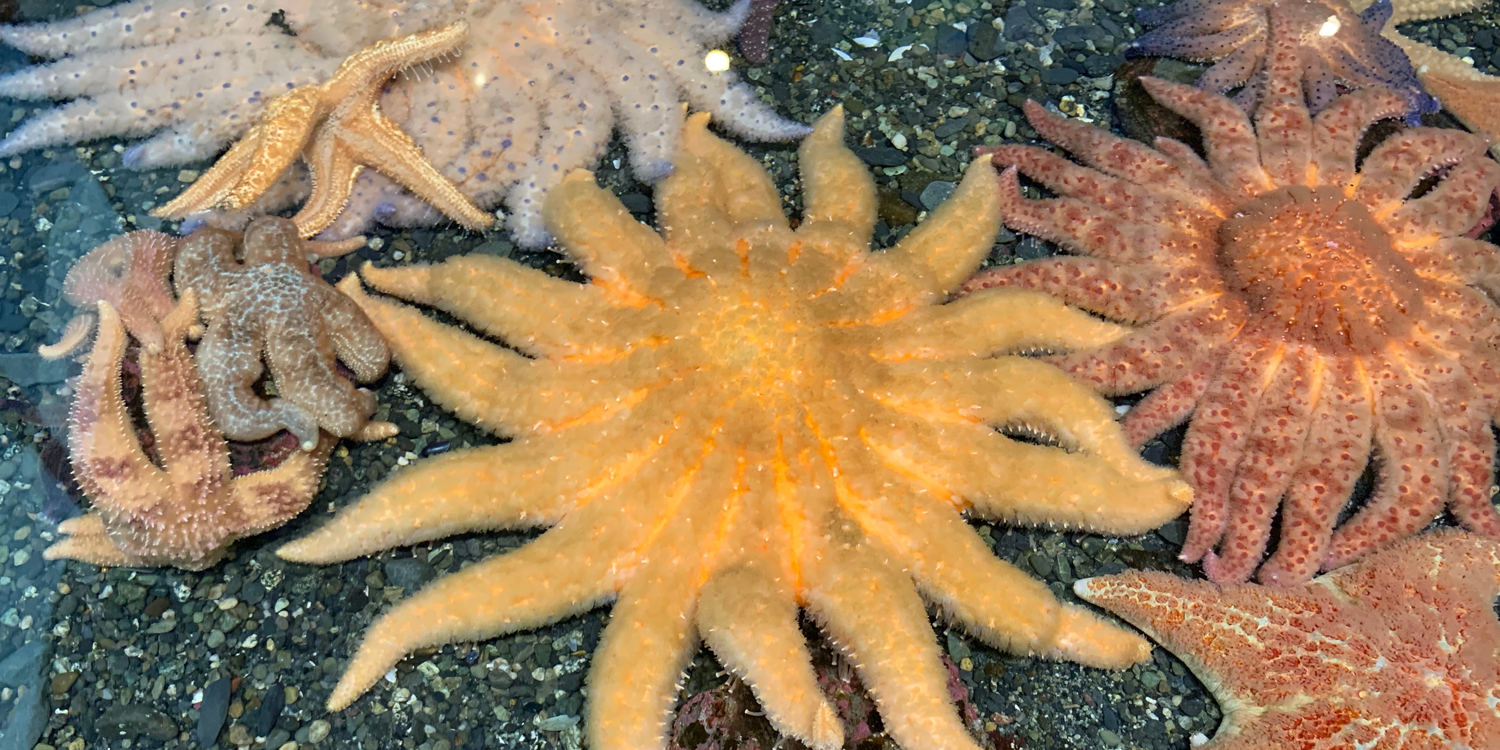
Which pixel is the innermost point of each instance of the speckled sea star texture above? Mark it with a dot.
(733, 420)
(1298, 310)
(1338, 46)
(270, 306)
(1396, 652)
(529, 98)
(186, 512)
(131, 273)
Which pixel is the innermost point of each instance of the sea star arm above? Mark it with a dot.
(268, 499)
(333, 171)
(620, 255)
(1274, 452)
(836, 186)
(1338, 129)
(77, 331)
(1170, 404)
(1216, 439)
(1455, 206)
(749, 619)
(1460, 260)
(487, 385)
(1016, 481)
(528, 309)
(1085, 226)
(85, 539)
(872, 611)
(1119, 292)
(1230, 140)
(1409, 440)
(100, 434)
(993, 599)
(1395, 167)
(231, 367)
(1469, 441)
(570, 569)
(372, 139)
(1281, 119)
(190, 447)
(633, 680)
(1338, 444)
(930, 261)
(302, 364)
(984, 324)
(355, 341)
(1158, 353)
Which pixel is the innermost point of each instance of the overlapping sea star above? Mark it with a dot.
(186, 512)
(1355, 44)
(528, 100)
(733, 420)
(1300, 310)
(1396, 652)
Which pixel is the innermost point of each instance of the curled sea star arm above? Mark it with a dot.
(1338, 130)
(983, 324)
(1395, 167)
(307, 377)
(1413, 462)
(1470, 442)
(229, 386)
(1230, 141)
(1335, 453)
(536, 313)
(1171, 403)
(1273, 454)
(1455, 206)
(353, 337)
(749, 618)
(189, 445)
(1215, 440)
(873, 612)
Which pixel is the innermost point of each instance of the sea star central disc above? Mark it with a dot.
(733, 420)
(1314, 261)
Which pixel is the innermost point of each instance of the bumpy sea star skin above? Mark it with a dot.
(733, 420)
(1396, 652)
(129, 272)
(1298, 309)
(187, 513)
(1337, 46)
(528, 100)
(338, 128)
(272, 307)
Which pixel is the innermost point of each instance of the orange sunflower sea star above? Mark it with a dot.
(734, 420)
(1298, 309)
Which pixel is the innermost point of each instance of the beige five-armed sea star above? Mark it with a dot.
(1396, 652)
(733, 420)
(338, 128)
(188, 512)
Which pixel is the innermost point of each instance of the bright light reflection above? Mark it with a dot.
(717, 61)
(1330, 27)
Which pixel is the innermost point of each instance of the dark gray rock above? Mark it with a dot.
(1058, 75)
(882, 156)
(135, 720)
(936, 192)
(212, 711)
(409, 573)
(984, 42)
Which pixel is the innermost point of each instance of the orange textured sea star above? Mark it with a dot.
(1396, 652)
(1299, 310)
(733, 420)
(130, 273)
(188, 512)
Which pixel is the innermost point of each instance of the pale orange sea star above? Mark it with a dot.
(733, 421)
